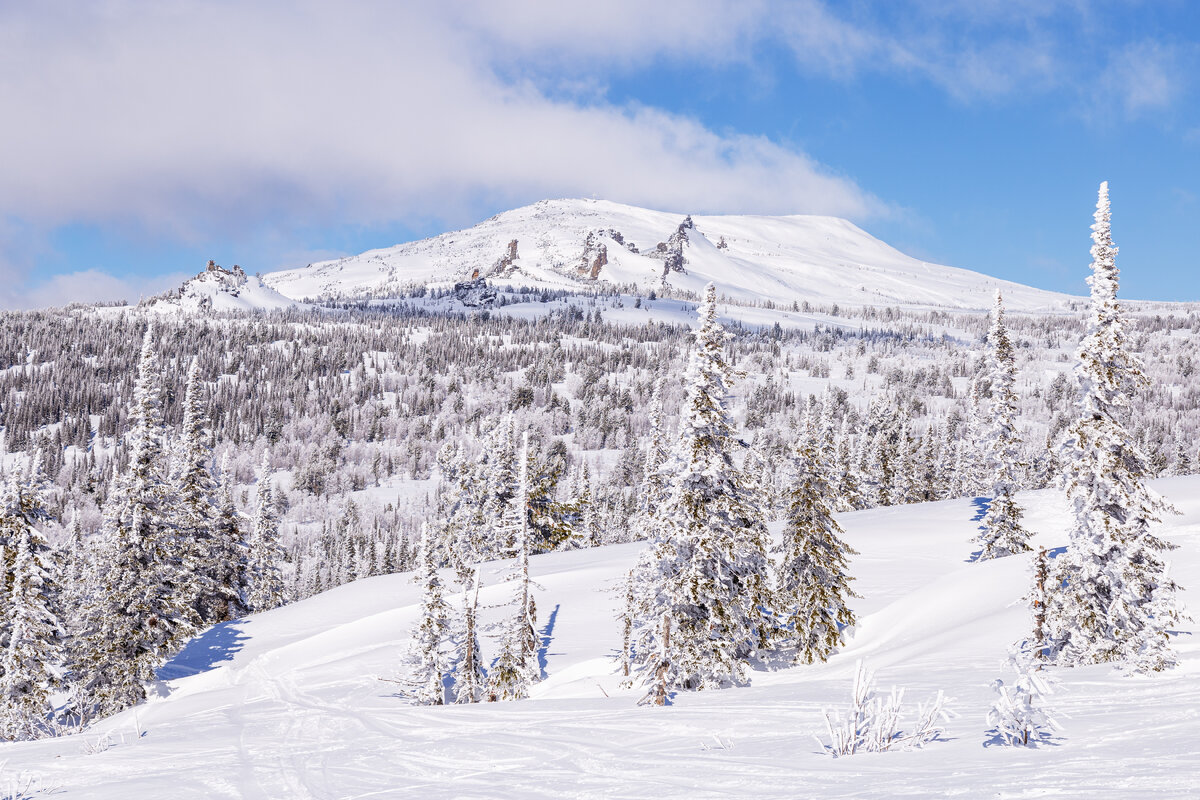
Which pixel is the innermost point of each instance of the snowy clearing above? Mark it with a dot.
(289, 703)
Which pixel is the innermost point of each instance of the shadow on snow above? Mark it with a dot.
(546, 634)
(217, 644)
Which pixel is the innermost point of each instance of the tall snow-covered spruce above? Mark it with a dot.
(1001, 533)
(516, 667)
(229, 551)
(197, 515)
(812, 584)
(701, 587)
(427, 656)
(266, 583)
(1112, 600)
(30, 628)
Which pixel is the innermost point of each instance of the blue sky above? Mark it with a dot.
(149, 137)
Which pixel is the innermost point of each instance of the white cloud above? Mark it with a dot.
(182, 120)
(22, 290)
(1142, 77)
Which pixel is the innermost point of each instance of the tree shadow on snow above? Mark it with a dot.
(1042, 739)
(217, 644)
(981, 508)
(546, 634)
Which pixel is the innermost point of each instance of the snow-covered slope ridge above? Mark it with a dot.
(219, 289)
(289, 703)
(575, 243)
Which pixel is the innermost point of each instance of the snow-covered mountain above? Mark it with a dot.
(290, 703)
(574, 244)
(220, 289)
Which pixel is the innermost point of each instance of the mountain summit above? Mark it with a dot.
(576, 244)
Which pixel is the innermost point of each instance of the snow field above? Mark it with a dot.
(289, 703)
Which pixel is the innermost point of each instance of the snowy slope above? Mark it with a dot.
(289, 704)
(218, 289)
(781, 259)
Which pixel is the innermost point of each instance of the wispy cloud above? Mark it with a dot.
(995, 49)
(1143, 77)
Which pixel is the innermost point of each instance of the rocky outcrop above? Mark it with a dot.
(671, 251)
(595, 254)
(504, 265)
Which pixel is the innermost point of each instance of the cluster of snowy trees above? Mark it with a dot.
(445, 663)
(93, 619)
(706, 597)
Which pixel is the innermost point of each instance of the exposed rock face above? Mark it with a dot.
(475, 292)
(672, 249)
(599, 263)
(504, 266)
(595, 254)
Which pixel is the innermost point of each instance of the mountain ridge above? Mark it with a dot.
(579, 244)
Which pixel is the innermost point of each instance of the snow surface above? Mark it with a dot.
(777, 259)
(289, 703)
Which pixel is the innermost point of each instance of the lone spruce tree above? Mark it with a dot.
(469, 678)
(32, 631)
(266, 583)
(197, 513)
(427, 658)
(230, 553)
(1112, 599)
(701, 588)
(1001, 533)
(813, 587)
(516, 667)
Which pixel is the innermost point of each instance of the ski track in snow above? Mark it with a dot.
(299, 710)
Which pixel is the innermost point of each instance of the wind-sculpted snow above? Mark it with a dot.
(288, 703)
(575, 244)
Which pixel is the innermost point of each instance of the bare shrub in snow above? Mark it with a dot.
(874, 722)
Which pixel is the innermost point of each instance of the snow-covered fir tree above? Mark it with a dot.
(265, 579)
(653, 489)
(702, 585)
(31, 628)
(1113, 600)
(812, 585)
(469, 676)
(196, 515)
(516, 668)
(970, 477)
(427, 657)
(1001, 533)
(142, 611)
(589, 533)
(230, 570)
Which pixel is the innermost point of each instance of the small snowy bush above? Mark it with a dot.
(1018, 717)
(873, 724)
